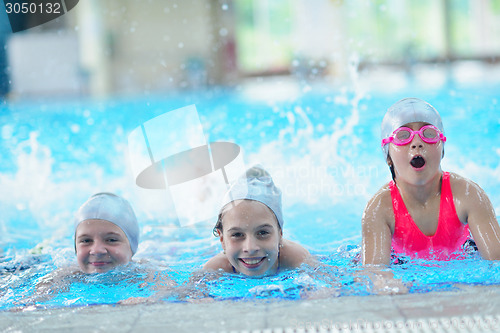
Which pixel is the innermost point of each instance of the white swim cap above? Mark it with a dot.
(114, 209)
(256, 184)
(408, 110)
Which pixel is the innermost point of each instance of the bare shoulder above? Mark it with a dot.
(56, 279)
(59, 274)
(379, 208)
(461, 186)
(292, 254)
(465, 191)
(467, 196)
(383, 196)
(217, 262)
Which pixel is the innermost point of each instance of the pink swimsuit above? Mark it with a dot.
(448, 239)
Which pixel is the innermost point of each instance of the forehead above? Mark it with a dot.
(96, 226)
(247, 213)
(415, 125)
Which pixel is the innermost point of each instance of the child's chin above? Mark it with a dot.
(255, 273)
(91, 270)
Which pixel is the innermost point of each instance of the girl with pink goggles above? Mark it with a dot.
(404, 135)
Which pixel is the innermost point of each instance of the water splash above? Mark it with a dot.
(317, 169)
(322, 149)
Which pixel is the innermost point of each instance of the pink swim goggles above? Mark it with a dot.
(403, 135)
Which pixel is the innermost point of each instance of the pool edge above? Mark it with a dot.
(327, 314)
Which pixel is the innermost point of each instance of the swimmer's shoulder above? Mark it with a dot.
(56, 279)
(62, 272)
(217, 262)
(293, 255)
(379, 208)
(466, 194)
(461, 186)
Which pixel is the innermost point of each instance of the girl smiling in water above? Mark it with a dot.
(106, 233)
(106, 237)
(250, 229)
(424, 212)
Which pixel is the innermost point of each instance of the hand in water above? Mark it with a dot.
(381, 281)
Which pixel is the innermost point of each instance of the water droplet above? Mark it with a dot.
(223, 32)
(75, 128)
(225, 6)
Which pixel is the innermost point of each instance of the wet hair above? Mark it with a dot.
(217, 230)
(391, 167)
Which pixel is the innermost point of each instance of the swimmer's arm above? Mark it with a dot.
(196, 290)
(49, 285)
(196, 287)
(376, 231)
(160, 282)
(481, 219)
(381, 281)
(55, 279)
(292, 255)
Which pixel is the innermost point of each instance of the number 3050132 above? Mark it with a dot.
(33, 8)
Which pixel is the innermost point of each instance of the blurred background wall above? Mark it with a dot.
(120, 47)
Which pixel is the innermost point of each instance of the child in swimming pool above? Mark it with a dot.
(424, 212)
(250, 229)
(106, 233)
(106, 237)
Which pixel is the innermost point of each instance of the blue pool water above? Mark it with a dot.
(321, 145)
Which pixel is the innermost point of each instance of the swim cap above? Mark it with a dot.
(408, 110)
(114, 209)
(256, 184)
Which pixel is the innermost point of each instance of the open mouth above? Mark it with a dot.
(252, 262)
(417, 162)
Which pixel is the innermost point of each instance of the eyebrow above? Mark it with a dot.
(266, 225)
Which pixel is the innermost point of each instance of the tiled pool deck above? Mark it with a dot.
(470, 309)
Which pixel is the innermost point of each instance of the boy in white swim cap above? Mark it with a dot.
(106, 233)
(424, 212)
(250, 229)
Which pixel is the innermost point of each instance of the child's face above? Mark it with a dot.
(416, 161)
(101, 246)
(251, 238)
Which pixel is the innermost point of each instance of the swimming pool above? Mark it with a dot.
(321, 145)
